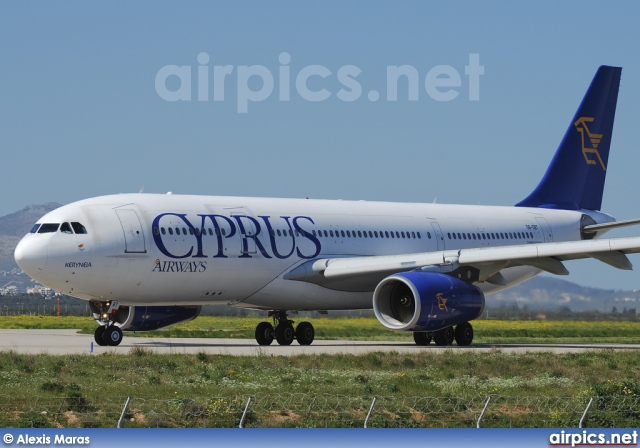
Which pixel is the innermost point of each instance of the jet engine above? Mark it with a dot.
(425, 301)
(147, 318)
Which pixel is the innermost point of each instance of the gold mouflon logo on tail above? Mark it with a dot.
(594, 140)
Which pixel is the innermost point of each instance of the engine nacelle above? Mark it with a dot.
(425, 301)
(147, 318)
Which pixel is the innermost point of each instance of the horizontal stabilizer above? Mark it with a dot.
(593, 228)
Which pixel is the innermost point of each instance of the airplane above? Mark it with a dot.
(146, 261)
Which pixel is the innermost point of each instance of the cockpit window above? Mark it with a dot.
(48, 228)
(78, 228)
(35, 228)
(65, 228)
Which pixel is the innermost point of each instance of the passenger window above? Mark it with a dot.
(342, 232)
(66, 228)
(210, 231)
(386, 233)
(162, 230)
(279, 232)
(420, 236)
(171, 231)
(190, 231)
(156, 231)
(348, 234)
(375, 233)
(197, 231)
(370, 234)
(224, 232)
(35, 228)
(331, 232)
(48, 228)
(78, 228)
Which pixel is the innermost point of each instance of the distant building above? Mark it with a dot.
(9, 290)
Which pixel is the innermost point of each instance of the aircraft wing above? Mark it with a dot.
(363, 273)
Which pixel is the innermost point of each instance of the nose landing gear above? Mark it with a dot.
(283, 331)
(108, 333)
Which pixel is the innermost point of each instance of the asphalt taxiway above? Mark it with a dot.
(61, 342)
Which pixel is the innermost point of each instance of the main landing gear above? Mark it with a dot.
(282, 330)
(108, 333)
(463, 335)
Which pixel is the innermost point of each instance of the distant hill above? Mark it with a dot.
(19, 223)
(541, 293)
(552, 293)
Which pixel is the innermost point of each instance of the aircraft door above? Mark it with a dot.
(248, 238)
(438, 235)
(547, 235)
(133, 231)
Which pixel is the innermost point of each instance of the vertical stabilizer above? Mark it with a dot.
(575, 178)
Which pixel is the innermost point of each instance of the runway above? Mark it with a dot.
(64, 342)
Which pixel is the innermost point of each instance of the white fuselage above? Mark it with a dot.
(178, 250)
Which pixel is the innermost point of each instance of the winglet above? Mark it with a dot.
(575, 178)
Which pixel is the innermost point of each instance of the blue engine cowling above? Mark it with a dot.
(425, 301)
(147, 318)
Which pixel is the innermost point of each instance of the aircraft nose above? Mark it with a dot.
(31, 255)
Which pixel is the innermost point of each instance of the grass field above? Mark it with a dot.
(486, 331)
(418, 390)
(210, 390)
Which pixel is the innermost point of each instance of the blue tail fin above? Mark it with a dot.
(575, 177)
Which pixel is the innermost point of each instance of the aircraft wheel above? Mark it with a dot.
(305, 333)
(464, 334)
(98, 335)
(422, 337)
(284, 333)
(112, 336)
(264, 333)
(444, 337)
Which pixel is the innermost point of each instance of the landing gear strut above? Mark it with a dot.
(283, 331)
(463, 335)
(108, 333)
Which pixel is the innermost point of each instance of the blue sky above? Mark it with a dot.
(81, 115)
